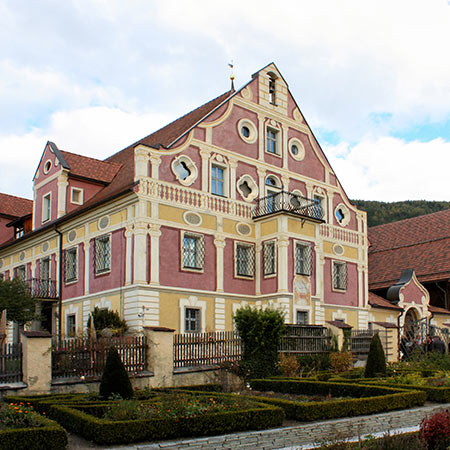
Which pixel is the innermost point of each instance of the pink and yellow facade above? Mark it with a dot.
(233, 204)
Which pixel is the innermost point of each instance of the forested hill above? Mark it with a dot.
(384, 212)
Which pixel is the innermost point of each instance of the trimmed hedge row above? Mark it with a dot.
(369, 399)
(48, 437)
(85, 418)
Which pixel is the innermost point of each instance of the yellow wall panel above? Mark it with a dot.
(118, 217)
(307, 229)
(171, 214)
(93, 227)
(209, 222)
(269, 227)
(349, 252)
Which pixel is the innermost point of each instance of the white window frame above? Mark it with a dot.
(190, 165)
(275, 141)
(197, 320)
(199, 250)
(337, 283)
(71, 333)
(251, 248)
(224, 168)
(107, 267)
(68, 251)
(308, 248)
(192, 303)
(321, 203)
(266, 245)
(47, 211)
(80, 192)
(308, 320)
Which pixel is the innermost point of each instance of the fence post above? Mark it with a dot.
(37, 361)
(160, 355)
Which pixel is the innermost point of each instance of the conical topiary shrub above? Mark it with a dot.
(376, 360)
(115, 379)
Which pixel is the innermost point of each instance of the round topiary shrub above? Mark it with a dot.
(115, 379)
(376, 360)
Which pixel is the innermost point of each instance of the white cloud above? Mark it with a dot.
(391, 169)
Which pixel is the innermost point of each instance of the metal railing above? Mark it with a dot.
(39, 288)
(206, 349)
(10, 363)
(76, 357)
(306, 339)
(287, 202)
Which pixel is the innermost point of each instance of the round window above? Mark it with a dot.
(297, 149)
(47, 166)
(245, 132)
(294, 150)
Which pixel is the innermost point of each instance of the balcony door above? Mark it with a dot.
(273, 191)
(45, 278)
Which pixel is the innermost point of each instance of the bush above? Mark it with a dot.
(435, 431)
(341, 361)
(376, 360)
(314, 362)
(288, 365)
(115, 379)
(104, 318)
(261, 332)
(405, 441)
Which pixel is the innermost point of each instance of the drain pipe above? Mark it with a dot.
(399, 336)
(60, 274)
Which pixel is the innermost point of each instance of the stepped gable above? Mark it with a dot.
(420, 243)
(14, 207)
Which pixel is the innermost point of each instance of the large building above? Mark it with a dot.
(233, 204)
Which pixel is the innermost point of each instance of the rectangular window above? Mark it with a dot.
(77, 196)
(192, 320)
(102, 254)
(71, 325)
(318, 207)
(340, 275)
(20, 273)
(193, 251)
(46, 207)
(245, 260)
(303, 259)
(70, 266)
(44, 285)
(269, 258)
(302, 318)
(272, 141)
(19, 231)
(217, 180)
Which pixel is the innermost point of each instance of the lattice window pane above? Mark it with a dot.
(102, 254)
(70, 265)
(303, 259)
(269, 258)
(192, 320)
(193, 251)
(302, 318)
(245, 260)
(20, 273)
(340, 275)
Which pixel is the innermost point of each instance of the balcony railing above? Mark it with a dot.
(42, 288)
(289, 203)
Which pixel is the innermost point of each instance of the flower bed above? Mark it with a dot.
(22, 427)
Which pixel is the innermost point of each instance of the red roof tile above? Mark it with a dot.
(420, 243)
(437, 310)
(379, 302)
(15, 207)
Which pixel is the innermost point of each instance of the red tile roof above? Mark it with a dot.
(437, 310)
(420, 243)
(14, 207)
(379, 302)
(90, 168)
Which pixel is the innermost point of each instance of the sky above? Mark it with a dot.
(371, 77)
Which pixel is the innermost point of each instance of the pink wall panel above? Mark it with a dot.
(170, 263)
(5, 233)
(412, 293)
(116, 277)
(76, 288)
(269, 284)
(232, 284)
(51, 186)
(90, 189)
(350, 296)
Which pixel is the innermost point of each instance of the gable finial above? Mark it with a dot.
(231, 65)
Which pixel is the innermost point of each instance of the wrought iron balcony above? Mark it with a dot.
(287, 202)
(44, 289)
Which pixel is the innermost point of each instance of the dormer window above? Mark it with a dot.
(76, 196)
(272, 88)
(19, 231)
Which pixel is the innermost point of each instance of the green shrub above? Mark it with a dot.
(104, 318)
(261, 332)
(376, 360)
(115, 379)
(405, 441)
(314, 362)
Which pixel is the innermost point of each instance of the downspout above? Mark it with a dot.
(399, 338)
(60, 274)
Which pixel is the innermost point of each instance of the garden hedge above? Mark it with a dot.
(48, 437)
(367, 399)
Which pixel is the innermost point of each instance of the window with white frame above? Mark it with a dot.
(76, 196)
(245, 259)
(302, 318)
(272, 141)
(269, 258)
(193, 251)
(20, 273)
(70, 266)
(319, 210)
(339, 275)
(71, 325)
(192, 320)
(46, 207)
(303, 259)
(102, 254)
(218, 182)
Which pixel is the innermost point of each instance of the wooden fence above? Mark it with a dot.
(10, 363)
(206, 349)
(306, 339)
(86, 357)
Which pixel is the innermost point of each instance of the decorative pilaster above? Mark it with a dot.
(233, 164)
(155, 234)
(220, 243)
(155, 161)
(262, 182)
(282, 247)
(262, 137)
(141, 158)
(128, 256)
(258, 251)
(205, 169)
(285, 147)
(62, 193)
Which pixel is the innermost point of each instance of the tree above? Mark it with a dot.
(261, 332)
(16, 299)
(376, 360)
(104, 318)
(115, 379)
